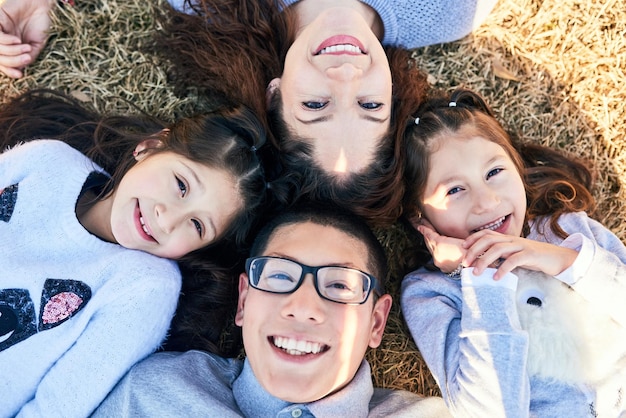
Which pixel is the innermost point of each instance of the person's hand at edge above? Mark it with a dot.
(24, 28)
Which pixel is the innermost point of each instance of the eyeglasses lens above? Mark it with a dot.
(339, 284)
(342, 284)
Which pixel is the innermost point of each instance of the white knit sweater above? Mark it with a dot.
(76, 312)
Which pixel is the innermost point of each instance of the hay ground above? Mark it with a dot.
(553, 70)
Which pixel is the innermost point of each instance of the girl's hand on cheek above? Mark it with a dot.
(447, 252)
(506, 252)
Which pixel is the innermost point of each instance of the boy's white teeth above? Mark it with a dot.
(143, 226)
(341, 48)
(493, 226)
(297, 347)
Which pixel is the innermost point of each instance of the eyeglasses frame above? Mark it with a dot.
(375, 285)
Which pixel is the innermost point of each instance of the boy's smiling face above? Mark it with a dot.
(325, 341)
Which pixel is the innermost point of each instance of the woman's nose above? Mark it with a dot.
(344, 72)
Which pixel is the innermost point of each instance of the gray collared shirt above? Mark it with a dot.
(196, 383)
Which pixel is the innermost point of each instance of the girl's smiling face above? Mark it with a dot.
(473, 184)
(168, 205)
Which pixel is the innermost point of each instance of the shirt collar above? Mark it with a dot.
(253, 400)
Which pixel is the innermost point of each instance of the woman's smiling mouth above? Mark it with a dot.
(340, 44)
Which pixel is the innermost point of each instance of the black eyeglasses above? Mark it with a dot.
(334, 283)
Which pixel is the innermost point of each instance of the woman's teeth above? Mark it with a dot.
(341, 48)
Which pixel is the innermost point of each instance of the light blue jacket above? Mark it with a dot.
(469, 332)
(417, 23)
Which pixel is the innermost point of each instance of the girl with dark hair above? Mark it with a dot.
(89, 238)
(485, 207)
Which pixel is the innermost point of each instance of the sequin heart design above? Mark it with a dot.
(61, 300)
(60, 307)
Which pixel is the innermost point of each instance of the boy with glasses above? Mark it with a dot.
(311, 302)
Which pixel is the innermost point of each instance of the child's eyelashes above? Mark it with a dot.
(181, 186)
(454, 190)
(493, 172)
(198, 226)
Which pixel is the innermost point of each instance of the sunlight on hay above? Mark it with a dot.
(553, 70)
(569, 58)
(96, 53)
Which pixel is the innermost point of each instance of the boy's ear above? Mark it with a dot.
(271, 90)
(144, 147)
(379, 319)
(243, 294)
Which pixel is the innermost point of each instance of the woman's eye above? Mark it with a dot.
(182, 187)
(198, 226)
(370, 105)
(314, 105)
(493, 172)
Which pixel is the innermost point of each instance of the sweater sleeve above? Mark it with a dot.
(599, 272)
(469, 335)
(126, 325)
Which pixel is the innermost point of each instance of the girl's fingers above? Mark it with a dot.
(491, 253)
(427, 232)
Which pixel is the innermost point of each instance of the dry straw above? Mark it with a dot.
(554, 71)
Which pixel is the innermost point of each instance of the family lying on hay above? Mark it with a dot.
(125, 235)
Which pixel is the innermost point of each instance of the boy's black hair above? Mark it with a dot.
(326, 214)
